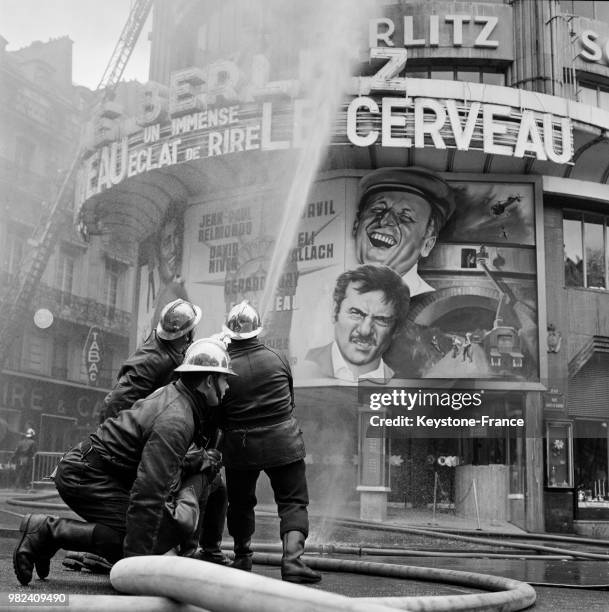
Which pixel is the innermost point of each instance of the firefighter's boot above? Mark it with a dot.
(292, 567)
(243, 555)
(41, 537)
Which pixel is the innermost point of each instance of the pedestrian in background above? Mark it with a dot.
(23, 458)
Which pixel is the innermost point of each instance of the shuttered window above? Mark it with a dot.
(589, 390)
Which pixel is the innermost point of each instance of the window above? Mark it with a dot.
(65, 275)
(14, 247)
(468, 258)
(559, 439)
(115, 271)
(591, 464)
(24, 154)
(594, 94)
(590, 9)
(36, 352)
(59, 369)
(473, 74)
(585, 250)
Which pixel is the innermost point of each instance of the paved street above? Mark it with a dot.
(534, 570)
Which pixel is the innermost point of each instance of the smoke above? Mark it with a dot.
(335, 27)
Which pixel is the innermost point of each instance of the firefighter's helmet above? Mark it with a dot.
(243, 322)
(206, 355)
(177, 319)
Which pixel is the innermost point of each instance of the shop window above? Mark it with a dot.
(591, 463)
(57, 434)
(559, 438)
(585, 250)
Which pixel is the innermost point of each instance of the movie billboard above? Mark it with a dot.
(394, 274)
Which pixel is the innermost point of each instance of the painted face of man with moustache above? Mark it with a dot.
(363, 328)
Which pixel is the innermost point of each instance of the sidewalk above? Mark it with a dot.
(397, 514)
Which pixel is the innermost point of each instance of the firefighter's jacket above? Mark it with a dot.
(24, 452)
(260, 430)
(150, 367)
(144, 448)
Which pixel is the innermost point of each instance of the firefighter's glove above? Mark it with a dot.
(78, 561)
(212, 462)
(193, 461)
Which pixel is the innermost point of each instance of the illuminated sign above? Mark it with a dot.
(463, 30)
(93, 354)
(594, 50)
(190, 130)
(32, 396)
(499, 129)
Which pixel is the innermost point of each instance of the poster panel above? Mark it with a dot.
(340, 312)
(160, 275)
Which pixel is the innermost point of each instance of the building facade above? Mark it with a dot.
(75, 331)
(254, 169)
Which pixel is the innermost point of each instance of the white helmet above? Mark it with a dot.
(30, 433)
(177, 319)
(206, 355)
(243, 322)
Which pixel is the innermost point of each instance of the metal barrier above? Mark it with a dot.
(43, 466)
(7, 469)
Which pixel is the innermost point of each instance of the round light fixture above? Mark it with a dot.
(43, 318)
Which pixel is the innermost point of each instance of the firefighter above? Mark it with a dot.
(150, 367)
(153, 364)
(262, 434)
(127, 480)
(23, 457)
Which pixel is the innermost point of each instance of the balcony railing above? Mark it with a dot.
(85, 311)
(74, 308)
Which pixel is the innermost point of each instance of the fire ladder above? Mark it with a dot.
(15, 306)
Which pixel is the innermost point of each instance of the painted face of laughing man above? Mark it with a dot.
(395, 229)
(399, 214)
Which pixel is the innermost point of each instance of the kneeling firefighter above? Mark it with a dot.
(127, 479)
(262, 434)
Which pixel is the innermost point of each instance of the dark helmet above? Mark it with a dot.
(206, 355)
(177, 319)
(243, 322)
